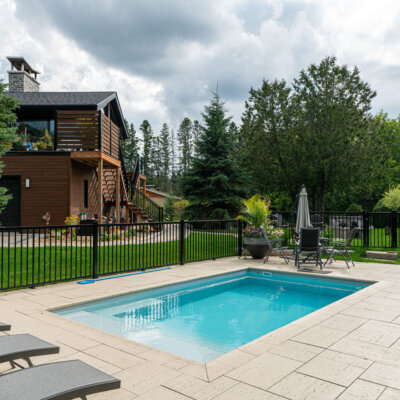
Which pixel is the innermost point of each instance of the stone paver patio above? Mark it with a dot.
(347, 350)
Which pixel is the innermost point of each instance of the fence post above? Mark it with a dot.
(394, 229)
(95, 236)
(240, 231)
(182, 242)
(33, 258)
(365, 228)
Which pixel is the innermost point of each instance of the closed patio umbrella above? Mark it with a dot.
(303, 213)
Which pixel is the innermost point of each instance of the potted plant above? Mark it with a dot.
(20, 145)
(255, 213)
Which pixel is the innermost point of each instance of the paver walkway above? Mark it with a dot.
(347, 350)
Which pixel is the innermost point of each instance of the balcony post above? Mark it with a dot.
(100, 190)
(118, 195)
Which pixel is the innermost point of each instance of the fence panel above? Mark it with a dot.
(31, 256)
(211, 239)
(138, 246)
(375, 229)
(38, 255)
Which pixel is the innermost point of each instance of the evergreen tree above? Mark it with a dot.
(155, 162)
(214, 184)
(196, 135)
(174, 178)
(7, 134)
(148, 139)
(130, 147)
(165, 155)
(185, 144)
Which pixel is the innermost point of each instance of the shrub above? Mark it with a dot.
(354, 207)
(179, 208)
(391, 199)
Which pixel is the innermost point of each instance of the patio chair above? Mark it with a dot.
(25, 346)
(309, 247)
(274, 245)
(63, 380)
(4, 327)
(342, 248)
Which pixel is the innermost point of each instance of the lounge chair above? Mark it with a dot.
(309, 247)
(4, 327)
(274, 245)
(25, 346)
(342, 248)
(56, 381)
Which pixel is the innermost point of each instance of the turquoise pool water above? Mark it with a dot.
(206, 318)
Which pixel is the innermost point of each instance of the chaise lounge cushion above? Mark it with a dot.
(14, 347)
(56, 381)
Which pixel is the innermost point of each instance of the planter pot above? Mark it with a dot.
(257, 247)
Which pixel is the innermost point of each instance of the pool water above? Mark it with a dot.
(206, 318)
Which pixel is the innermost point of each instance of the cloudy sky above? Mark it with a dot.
(165, 57)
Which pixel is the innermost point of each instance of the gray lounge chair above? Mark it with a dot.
(56, 381)
(4, 327)
(25, 346)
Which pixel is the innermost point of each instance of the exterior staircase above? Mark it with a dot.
(141, 205)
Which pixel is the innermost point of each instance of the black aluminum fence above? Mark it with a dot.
(31, 256)
(375, 229)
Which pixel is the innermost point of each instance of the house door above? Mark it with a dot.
(10, 216)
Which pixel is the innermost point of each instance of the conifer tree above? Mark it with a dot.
(165, 155)
(7, 134)
(185, 144)
(196, 135)
(214, 184)
(130, 147)
(173, 179)
(155, 162)
(148, 139)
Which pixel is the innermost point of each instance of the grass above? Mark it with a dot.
(22, 266)
(360, 255)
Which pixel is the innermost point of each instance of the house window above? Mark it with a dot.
(86, 193)
(35, 135)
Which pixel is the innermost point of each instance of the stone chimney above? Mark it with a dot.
(22, 78)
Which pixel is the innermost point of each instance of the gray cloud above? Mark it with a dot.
(181, 49)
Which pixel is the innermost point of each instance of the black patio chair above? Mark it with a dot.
(274, 245)
(342, 248)
(309, 247)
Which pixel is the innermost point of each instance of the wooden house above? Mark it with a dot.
(68, 160)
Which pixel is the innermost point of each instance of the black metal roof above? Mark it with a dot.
(71, 100)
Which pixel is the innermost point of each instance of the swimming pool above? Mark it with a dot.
(206, 318)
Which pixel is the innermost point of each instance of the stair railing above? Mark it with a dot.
(146, 204)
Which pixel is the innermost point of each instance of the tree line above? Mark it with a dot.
(167, 155)
(317, 130)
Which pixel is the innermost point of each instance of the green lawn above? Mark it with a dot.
(22, 266)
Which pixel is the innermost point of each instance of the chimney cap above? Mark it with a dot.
(20, 64)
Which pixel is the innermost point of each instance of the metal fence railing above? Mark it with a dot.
(375, 229)
(38, 255)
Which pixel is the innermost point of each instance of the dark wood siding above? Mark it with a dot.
(80, 173)
(77, 130)
(114, 140)
(105, 134)
(10, 216)
(49, 185)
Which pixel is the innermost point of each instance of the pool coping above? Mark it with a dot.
(222, 366)
(262, 337)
